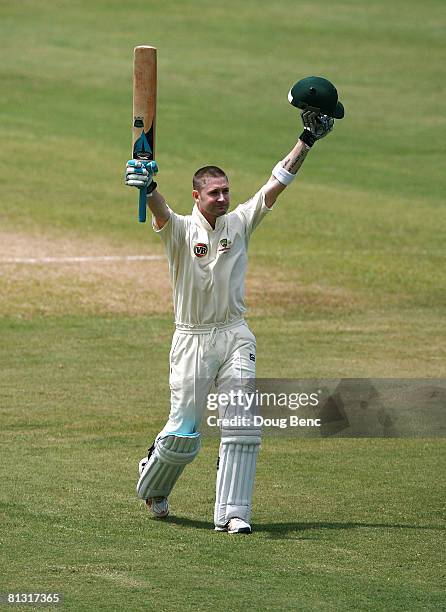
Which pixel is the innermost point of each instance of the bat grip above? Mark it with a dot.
(142, 204)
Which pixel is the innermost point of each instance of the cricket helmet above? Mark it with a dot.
(316, 93)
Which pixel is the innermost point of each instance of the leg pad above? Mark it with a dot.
(169, 457)
(235, 478)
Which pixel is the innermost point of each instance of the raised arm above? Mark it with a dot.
(158, 208)
(140, 174)
(315, 128)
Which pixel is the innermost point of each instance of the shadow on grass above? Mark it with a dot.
(186, 522)
(280, 530)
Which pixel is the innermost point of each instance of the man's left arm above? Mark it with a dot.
(315, 128)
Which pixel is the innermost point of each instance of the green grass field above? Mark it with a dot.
(347, 278)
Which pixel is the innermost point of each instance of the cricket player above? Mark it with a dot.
(207, 254)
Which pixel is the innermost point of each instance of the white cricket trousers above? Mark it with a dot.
(218, 358)
(200, 358)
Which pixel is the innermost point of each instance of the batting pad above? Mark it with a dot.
(166, 463)
(235, 478)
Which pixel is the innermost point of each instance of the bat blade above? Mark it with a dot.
(144, 111)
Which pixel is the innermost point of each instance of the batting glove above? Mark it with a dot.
(315, 127)
(139, 173)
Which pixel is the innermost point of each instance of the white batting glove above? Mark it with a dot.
(140, 173)
(318, 125)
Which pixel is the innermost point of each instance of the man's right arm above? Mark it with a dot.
(140, 174)
(158, 207)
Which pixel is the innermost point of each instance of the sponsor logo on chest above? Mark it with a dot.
(200, 249)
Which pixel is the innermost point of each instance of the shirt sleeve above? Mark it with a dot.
(252, 212)
(172, 233)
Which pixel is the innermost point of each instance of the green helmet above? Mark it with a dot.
(316, 93)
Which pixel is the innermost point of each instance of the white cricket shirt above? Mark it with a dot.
(207, 266)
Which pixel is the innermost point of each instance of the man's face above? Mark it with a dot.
(213, 198)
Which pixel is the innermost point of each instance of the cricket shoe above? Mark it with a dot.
(236, 525)
(159, 506)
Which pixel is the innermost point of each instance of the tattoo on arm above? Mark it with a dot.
(293, 162)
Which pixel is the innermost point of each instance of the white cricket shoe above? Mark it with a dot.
(158, 506)
(236, 525)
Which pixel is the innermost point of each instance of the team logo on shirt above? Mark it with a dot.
(200, 249)
(225, 245)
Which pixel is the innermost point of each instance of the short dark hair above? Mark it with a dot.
(200, 176)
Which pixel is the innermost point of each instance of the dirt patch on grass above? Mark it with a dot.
(79, 287)
(127, 287)
(273, 292)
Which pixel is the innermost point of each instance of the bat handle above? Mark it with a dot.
(142, 204)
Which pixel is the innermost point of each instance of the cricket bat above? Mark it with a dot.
(144, 111)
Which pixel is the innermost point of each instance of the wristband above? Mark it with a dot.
(151, 188)
(282, 175)
(307, 138)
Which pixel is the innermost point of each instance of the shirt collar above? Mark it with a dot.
(201, 220)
